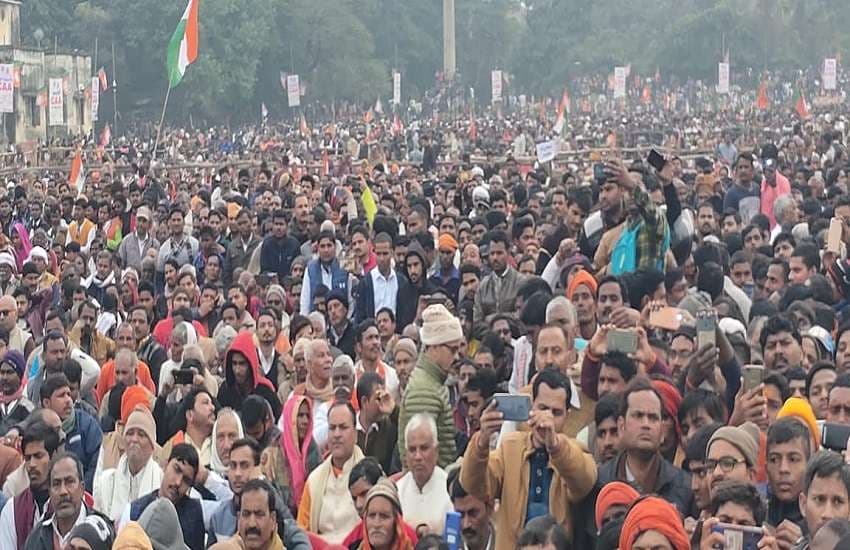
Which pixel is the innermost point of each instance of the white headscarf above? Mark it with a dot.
(216, 462)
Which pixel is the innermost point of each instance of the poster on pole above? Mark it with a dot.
(56, 103)
(397, 87)
(723, 78)
(496, 83)
(546, 151)
(7, 89)
(95, 97)
(293, 90)
(830, 71)
(619, 82)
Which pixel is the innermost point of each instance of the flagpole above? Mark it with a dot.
(161, 119)
(114, 93)
(94, 71)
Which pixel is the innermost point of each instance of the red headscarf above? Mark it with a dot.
(295, 452)
(654, 514)
(670, 400)
(612, 494)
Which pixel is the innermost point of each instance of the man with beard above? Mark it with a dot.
(14, 406)
(177, 246)
(243, 376)
(8, 279)
(278, 249)
(324, 270)
(416, 269)
(135, 246)
(326, 508)
(581, 291)
(178, 477)
(148, 349)
(271, 362)
(781, 345)
(706, 220)
(88, 338)
(743, 197)
(65, 482)
(198, 410)
(610, 214)
(367, 344)
(340, 328)
(23, 512)
(82, 430)
(498, 290)
(103, 277)
(476, 523)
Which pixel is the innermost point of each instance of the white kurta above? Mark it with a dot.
(118, 486)
(428, 506)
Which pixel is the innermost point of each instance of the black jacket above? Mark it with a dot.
(276, 255)
(672, 484)
(406, 301)
(41, 537)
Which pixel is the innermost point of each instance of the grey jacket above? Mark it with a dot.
(488, 302)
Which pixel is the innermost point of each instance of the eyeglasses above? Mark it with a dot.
(727, 464)
(454, 349)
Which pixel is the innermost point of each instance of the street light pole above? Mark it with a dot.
(449, 63)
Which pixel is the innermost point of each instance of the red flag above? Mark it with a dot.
(104, 83)
(646, 96)
(105, 135)
(762, 102)
(367, 118)
(77, 179)
(398, 126)
(801, 105)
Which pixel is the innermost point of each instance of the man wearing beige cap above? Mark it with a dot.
(137, 472)
(442, 338)
(135, 246)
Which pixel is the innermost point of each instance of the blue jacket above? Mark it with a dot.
(84, 441)
(339, 278)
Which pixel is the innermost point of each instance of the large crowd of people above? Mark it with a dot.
(404, 331)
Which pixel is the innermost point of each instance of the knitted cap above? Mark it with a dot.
(406, 345)
(16, 360)
(339, 295)
(740, 439)
(387, 489)
(439, 326)
(96, 531)
(142, 419)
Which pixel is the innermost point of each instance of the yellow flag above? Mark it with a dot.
(369, 205)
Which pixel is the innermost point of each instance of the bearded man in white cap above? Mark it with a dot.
(38, 256)
(8, 274)
(442, 338)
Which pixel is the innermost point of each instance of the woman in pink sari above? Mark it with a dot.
(21, 244)
(290, 463)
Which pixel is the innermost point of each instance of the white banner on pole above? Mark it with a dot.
(830, 72)
(619, 82)
(7, 89)
(95, 97)
(293, 90)
(397, 87)
(723, 78)
(56, 113)
(496, 83)
(547, 150)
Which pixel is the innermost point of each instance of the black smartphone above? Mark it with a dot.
(599, 172)
(834, 436)
(656, 160)
(515, 407)
(183, 376)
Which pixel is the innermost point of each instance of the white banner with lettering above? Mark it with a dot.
(496, 83)
(397, 88)
(723, 78)
(95, 97)
(830, 73)
(56, 103)
(7, 88)
(619, 82)
(293, 90)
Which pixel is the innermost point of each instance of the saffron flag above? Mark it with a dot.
(305, 130)
(183, 48)
(563, 110)
(800, 104)
(104, 83)
(762, 101)
(78, 173)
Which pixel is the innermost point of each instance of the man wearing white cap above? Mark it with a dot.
(135, 246)
(38, 257)
(442, 338)
(137, 472)
(8, 269)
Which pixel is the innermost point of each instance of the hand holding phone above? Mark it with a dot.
(753, 376)
(833, 237)
(514, 407)
(666, 318)
(739, 537)
(624, 341)
(706, 327)
(656, 160)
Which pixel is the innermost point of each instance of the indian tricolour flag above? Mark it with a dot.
(183, 48)
(78, 173)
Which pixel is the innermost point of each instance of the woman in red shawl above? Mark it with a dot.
(21, 244)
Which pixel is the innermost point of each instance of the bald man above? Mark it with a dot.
(19, 339)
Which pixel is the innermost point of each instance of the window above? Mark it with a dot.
(33, 110)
